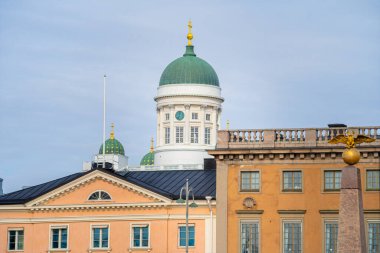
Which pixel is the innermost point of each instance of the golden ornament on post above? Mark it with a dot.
(351, 155)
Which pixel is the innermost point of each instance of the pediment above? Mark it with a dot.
(77, 193)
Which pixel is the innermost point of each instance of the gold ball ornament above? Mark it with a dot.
(189, 36)
(351, 156)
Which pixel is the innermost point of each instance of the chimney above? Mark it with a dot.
(1, 186)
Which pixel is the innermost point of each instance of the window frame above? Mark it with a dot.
(334, 180)
(194, 116)
(283, 222)
(250, 221)
(167, 116)
(179, 235)
(370, 221)
(92, 226)
(292, 190)
(139, 225)
(59, 239)
(194, 134)
(325, 222)
(179, 134)
(99, 199)
(241, 181)
(17, 230)
(207, 139)
(208, 117)
(167, 135)
(366, 180)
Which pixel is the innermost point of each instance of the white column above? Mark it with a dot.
(159, 123)
(172, 130)
(214, 130)
(202, 128)
(187, 124)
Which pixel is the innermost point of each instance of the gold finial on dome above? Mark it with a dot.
(112, 134)
(189, 34)
(228, 125)
(151, 145)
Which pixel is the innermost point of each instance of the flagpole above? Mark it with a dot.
(104, 121)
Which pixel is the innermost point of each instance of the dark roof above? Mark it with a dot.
(165, 183)
(27, 194)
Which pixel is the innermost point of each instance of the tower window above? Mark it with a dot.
(194, 116)
(167, 116)
(99, 195)
(194, 134)
(179, 134)
(167, 135)
(208, 117)
(207, 135)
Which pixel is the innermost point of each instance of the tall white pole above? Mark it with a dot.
(104, 121)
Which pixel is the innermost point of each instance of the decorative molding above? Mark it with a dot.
(336, 211)
(329, 211)
(249, 211)
(91, 177)
(291, 211)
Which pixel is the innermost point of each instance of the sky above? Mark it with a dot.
(280, 64)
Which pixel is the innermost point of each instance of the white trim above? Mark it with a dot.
(60, 226)
(179, 238)
(17, 229)
(143, 217)
(131, 235)
(100, 225)
(99, 199)
(92, 176)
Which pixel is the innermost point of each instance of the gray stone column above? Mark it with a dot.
(351, 232)
(221, 206)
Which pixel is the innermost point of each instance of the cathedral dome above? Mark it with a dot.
(189, 69)
(112, 146)
(148, 159)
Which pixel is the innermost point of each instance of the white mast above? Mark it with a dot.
(104, 121)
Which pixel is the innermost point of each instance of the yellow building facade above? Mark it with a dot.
(278, 190)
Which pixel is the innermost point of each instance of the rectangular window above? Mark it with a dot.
(373, 180)
(332, 180)
(194, 134)
(250, 181)
(167, 135)
(59, 237)
(179, 134)
(100, 237)
(182, 236)
(167, 116)
(208, 117)
(292, 181)
(292, 237)
(373, 237)
(207, 135)
(140, 235)
(194, 116)
(16, 239)
(331, 237)
(249, 237)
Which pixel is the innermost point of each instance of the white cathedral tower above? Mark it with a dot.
(188, 110)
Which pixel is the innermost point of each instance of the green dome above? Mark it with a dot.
(148, 159)
(189, 69)
(113, 146)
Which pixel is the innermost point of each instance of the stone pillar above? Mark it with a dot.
(186, 131)
(221, 206)
(351, 233)
(172, 130)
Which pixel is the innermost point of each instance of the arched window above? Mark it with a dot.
(99, 195)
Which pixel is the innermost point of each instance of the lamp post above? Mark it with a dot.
(187, 190)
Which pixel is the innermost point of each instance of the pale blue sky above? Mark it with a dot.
(280, 64)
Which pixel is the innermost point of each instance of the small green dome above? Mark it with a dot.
(189, 69)
(148, 159)
(113, 146)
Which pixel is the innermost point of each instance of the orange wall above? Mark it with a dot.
(271, 199)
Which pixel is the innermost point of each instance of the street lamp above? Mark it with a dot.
(185, 189)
